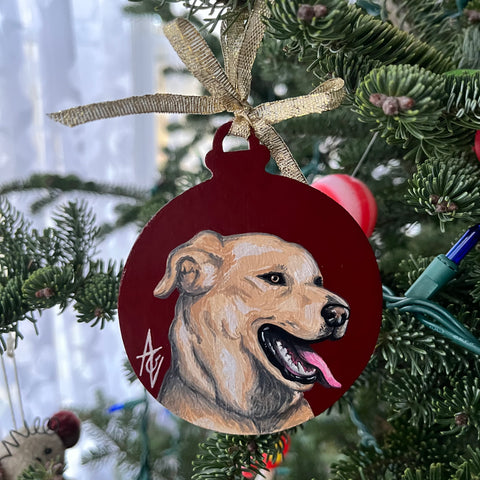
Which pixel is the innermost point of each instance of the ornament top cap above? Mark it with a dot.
(220, 162)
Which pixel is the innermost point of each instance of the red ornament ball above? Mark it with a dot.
(273, 461)
(353, 195)
(476, 145)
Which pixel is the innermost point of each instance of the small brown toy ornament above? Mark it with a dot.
(250, 303)
(39, 444)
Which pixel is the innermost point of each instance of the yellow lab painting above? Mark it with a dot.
(249, 307)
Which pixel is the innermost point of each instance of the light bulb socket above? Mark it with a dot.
(440, 271)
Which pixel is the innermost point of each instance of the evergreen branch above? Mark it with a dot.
(407, 104)
(417, 406)
(117, 440)
(347, 27)
(447, 189)
(402, 343)
(38, 471)
(466, 50)
(459, 406)
(430, 22)
(474, 281)
(360, 465)
(44, 201)
(150, 7)
(41, 269)
(229, 456)
(430, 447)
(352, 68)
(70, 183)
(435, 472)
(12, 308)
(15, 253)
(463, 104)
(77, 231)
(49, 286)
(100, 455)
(97, 298)
(217, 11)
(468, 466)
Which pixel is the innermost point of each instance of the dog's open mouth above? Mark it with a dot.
(294, 357)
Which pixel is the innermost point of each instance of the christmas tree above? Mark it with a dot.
(408, 128)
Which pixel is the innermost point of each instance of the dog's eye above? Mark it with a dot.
(274, 278)
(318, 282)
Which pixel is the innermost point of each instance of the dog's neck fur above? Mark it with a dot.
(190, 391)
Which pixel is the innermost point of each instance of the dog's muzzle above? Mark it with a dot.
(335, 315)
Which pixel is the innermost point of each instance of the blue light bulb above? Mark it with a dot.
(464, 245)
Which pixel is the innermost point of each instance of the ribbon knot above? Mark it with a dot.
(229, 87)
(243, 121)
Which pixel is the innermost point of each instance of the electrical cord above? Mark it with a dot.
(435, 317)
(417, 298)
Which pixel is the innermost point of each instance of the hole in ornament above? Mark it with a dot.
(232, 143)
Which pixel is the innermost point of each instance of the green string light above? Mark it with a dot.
(145, 469)
(435, 317)
(440, 271)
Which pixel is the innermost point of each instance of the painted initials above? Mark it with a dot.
(151, 359)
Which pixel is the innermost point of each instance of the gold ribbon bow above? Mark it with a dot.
(229, 88)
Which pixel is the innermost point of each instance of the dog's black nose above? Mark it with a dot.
(335, 315)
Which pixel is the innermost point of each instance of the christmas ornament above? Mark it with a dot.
(353, 195)
(241, 306)
(230, 361)
(273, 461)
(39, 444)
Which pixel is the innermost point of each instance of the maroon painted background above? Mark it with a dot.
(241, 198)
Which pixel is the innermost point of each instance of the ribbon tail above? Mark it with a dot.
(195, 53)
(240, 128)
(326, 96)
(280, 153)
(157, 103)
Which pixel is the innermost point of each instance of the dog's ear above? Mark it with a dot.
(193, 266)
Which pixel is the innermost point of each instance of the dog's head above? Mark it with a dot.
(255, 299)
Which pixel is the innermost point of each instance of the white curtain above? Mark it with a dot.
(55, 54)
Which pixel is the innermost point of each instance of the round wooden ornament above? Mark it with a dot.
(250, 303)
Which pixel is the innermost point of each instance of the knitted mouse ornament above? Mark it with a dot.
(39, 444)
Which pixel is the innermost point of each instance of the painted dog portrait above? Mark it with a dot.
(249, 307)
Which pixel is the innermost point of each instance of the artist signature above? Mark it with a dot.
(151, 360)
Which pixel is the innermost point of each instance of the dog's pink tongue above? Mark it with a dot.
(317, 361)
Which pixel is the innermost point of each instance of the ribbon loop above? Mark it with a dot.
(240, 44)
(195, 53)
(326, 96)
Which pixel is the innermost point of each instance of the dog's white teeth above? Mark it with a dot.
(291, 363)
(298, 367)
